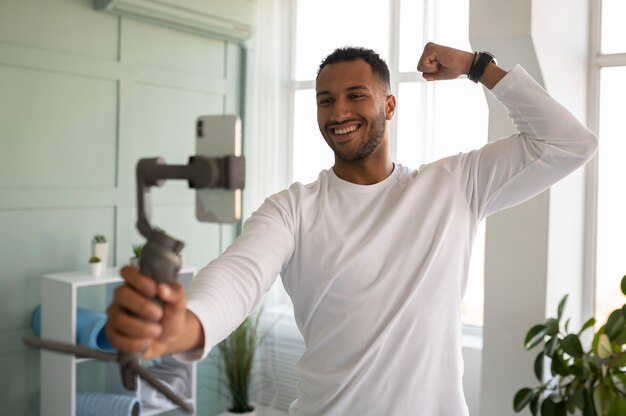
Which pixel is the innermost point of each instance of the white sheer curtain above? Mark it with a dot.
(266, 140)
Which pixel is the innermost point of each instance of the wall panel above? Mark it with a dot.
(83, 95)
(69, 26)
(57, 130)
(169, 48)
(20, 383)
(39, 241)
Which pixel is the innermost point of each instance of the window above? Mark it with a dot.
(421, 131)
(610, 64)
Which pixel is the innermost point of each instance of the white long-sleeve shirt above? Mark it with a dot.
(377, 272)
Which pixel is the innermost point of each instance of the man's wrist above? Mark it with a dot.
(480, 63)
(492, 75)
(469, 65)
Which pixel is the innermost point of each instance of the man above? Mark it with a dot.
(373, 255)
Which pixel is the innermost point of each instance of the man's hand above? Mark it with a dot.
(441, 62)
(138, 324)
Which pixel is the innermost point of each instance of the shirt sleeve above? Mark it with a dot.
(550, 143)
(228, 289)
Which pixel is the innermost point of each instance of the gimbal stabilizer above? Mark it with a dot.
(160, 257)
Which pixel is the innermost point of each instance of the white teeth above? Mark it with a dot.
(346, 130)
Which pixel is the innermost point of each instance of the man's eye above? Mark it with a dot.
(323, 102)
(356, 96)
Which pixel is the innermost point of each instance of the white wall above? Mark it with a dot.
(534, 251)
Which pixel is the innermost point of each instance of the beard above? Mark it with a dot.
(377, 132)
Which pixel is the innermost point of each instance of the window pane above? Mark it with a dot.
(613, 27)
(410, 143)
(324, 25)
(611, 262)
(451, 29)
(411, 33)
(311, 154)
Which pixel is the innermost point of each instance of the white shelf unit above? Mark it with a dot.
(59, 301)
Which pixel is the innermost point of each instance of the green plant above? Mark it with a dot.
(94, 259)
(98, 238)
(592, 381)
(137, 250)
(237, 356)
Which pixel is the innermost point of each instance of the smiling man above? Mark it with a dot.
(354, 104)
(374, 255)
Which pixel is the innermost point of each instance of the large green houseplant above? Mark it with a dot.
(237, 354)
(591, 382)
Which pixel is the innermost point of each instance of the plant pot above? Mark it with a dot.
(96, 269)
(250, 413)
(101, 251)
(134, 262)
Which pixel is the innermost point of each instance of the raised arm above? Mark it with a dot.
(550, 142)
(440, 62)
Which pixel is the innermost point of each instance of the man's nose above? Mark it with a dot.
(342, 110)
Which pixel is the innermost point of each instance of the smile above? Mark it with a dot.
(346, 130)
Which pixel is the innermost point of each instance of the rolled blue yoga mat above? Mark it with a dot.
(89, 328)
(106, 404)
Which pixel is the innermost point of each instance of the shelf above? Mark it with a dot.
(59, 379)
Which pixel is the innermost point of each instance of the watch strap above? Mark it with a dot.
(479, 64)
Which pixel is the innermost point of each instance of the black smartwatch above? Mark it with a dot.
(479, 65)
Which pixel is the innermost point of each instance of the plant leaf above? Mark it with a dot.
(615, 324)
(601, 400)
(588, 408)
(561, 307)
(617, 406)
(579, 369)
(591, 322)
(577, 399)
(572, 346)
(560, 409)
(534, 336)
(596, 338)
(551, 346)
(539, 366)
(604, 346)
(621, 378)
(559, 366)
(620, 338)
(548, 408)
(623, 285)
(552, 326)
(534, 405)
(522, 398)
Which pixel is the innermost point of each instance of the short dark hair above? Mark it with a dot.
(352, 53)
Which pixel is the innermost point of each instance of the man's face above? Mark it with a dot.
(352, 109)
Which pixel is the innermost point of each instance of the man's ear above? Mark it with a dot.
(390, 106)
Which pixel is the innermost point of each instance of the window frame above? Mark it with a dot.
(472, 333)
(597, 62)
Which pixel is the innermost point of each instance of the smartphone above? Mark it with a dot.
(218, 136)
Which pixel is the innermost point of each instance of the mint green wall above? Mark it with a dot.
(83, 95)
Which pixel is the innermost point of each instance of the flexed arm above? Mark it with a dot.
(440, 62)
(550, 142)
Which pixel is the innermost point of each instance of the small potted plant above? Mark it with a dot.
(237, 353)
(591, 382)
(100, 248)
(95, 266)
(134, 261)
